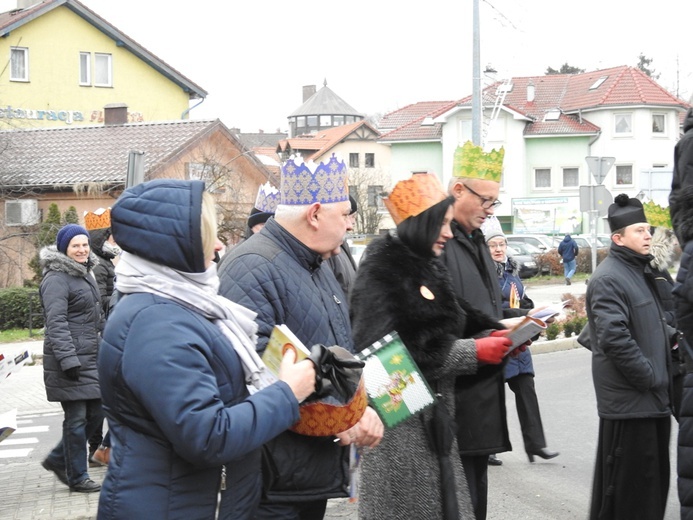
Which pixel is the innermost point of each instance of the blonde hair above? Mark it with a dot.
(209, 224)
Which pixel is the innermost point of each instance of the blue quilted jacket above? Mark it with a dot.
(284, 281)
(173, 386)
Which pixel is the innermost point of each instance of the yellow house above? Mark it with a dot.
(61, 64)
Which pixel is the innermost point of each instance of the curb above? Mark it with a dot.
(543, 347)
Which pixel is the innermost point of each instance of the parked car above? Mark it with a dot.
(357, 251)
(530, 251)
(543, 242)
(527, 265)
(585, 241)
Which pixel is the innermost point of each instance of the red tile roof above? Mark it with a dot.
(571, 94)
(406, 115)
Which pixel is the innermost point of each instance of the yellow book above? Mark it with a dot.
(279, 342)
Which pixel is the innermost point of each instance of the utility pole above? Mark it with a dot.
(476, 77)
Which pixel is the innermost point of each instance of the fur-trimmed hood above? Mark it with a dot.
(662, 249)
(53, 260)
(681, 204)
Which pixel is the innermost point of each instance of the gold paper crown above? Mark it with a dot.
(267, 198)
(471, 162)
(413, 196)
(99, 219)
(657, 216)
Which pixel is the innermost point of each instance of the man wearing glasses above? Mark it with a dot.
(479, 398)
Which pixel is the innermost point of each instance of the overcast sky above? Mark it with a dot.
(253, 57)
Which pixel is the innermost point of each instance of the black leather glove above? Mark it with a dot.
(72, 373)
(337, 374)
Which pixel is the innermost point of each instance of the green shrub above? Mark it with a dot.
(17, 305)
(569, 328)
(553, 330)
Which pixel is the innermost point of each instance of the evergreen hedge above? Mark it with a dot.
(16, 306)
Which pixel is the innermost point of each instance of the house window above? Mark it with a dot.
(658, 123)
(623, 124)
(196, 171)
(325, 121)
(103, 74)
(570, 177)
(370, 160)
(19, 64)
(624, 174)
(542, 177)
(338, 120)
(353, 160)
(374, 195)
(85, 68)
(312, 121)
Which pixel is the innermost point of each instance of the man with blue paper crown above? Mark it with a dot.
(278, 273)
(479, 398)
(265, 205)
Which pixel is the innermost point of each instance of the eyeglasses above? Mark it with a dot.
(486, 203)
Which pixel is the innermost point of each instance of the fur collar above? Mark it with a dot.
(662, 249)
(53, 260)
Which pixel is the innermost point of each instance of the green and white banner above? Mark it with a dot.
(396, 388)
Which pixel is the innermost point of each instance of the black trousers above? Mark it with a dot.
(631, 474)
(314, 510)
(527, 405)
(476, 471)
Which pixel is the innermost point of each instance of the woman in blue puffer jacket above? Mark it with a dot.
(176, 365)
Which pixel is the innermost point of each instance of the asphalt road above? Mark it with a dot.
(560, 487)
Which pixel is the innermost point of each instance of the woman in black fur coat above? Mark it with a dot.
(402, 286)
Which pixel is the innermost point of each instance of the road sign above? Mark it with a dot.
(599, 166)
(602, 199)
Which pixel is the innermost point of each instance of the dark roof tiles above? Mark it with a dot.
(92, 153)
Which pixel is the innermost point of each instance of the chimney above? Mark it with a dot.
(530, 92)
(308, 91)
(115, 114)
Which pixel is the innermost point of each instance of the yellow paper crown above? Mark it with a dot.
(657, 216)
(99, 219)
(413, 196)
(471, 162)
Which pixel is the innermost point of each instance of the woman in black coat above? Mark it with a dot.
(402, 286)
(73, 318)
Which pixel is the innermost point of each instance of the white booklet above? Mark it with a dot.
(550, 311)
(524, 331)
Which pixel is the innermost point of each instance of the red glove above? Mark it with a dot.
(492, 349)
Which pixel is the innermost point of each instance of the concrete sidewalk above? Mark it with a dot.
(32, 493)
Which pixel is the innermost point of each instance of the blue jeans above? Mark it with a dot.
(82, 418)
(569, 268)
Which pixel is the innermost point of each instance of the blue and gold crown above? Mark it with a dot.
(471, 162)
(307, 183)
(267, 198)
